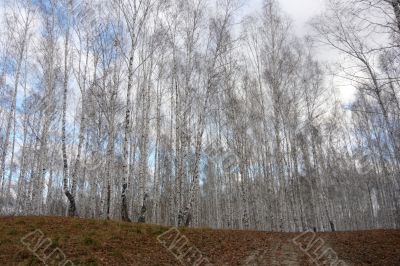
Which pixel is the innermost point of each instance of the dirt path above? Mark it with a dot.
(280, 253)
(286, 254)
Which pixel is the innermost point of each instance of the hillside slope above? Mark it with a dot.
(28, 240)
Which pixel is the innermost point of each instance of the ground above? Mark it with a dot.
(96, 242)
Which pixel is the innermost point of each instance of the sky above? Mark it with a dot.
(300, 12)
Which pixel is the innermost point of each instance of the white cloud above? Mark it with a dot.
(300, 12)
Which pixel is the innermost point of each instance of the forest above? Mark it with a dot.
(198, 113)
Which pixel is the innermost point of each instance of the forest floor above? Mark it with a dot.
(60, 241)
